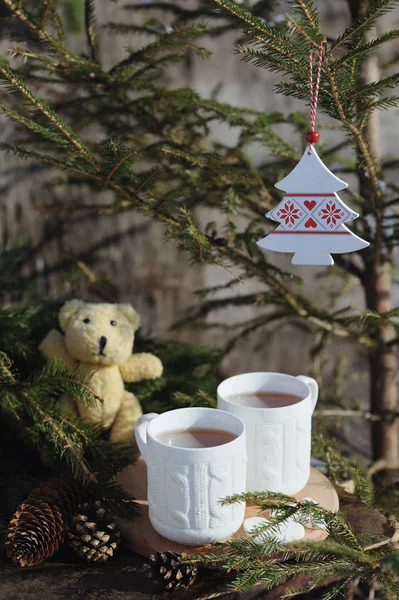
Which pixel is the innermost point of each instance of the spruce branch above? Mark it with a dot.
(75, 382)
(53, 44)
(24, 153)
(309, 12)
(19, 84)
(257, 324)
(179, 39)
(59, 27)
(376, 88)
(271, 61)
(339, 559)
(46, 7)
(240, 17)
(361, 49)
(341, 468)
(338, 412)
(89, 27)
(299, 29)
(299, 305)
(6, 374)
(123, 158)
(23, 53)
(56, 435)
(279, 44)
(363, 23)
(35, 127)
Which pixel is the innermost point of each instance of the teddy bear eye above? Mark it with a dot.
(113, 323)
(86, 320)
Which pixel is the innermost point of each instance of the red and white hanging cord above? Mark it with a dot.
(313, 136)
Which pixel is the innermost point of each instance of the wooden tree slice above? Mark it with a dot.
(142, 538)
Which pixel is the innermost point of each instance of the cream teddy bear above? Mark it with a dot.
(100, 336)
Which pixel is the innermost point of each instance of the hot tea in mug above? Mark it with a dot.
(264, 399)
(195, 457)
(276, 410)
(196, 438)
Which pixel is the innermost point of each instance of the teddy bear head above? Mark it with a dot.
(99, 333)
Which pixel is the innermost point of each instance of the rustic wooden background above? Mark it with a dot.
(132, 252)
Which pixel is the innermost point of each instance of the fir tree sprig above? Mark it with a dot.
(364, 23)
(19, 85)
(341, 468)
(337, 560)
(90, 30)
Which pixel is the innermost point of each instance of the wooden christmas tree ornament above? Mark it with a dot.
(311, 214)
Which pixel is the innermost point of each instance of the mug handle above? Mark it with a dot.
(314, 389)
(140, 431)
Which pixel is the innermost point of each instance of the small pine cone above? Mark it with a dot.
(170, 570)
(39, 525)
(93, 532)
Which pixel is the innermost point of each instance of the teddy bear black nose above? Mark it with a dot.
(103, 342)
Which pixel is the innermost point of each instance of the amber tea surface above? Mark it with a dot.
(264, 399)
(197, 438)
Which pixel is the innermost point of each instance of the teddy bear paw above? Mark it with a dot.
(155, 366)
(150, 366)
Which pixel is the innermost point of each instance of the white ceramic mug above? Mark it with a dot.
(186, 485)
(278, 439)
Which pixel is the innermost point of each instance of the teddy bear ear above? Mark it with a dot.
(131, 315)
(68, 310)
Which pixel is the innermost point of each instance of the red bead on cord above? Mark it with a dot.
(312, 137)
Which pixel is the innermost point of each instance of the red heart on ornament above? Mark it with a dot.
(310, 204)
(310, 223)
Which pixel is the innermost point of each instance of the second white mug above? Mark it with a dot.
(278, 439)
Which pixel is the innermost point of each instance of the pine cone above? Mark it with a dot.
(170, 569)
(39, 525)
(93, 532)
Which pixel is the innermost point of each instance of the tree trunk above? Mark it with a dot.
(383, 372)
(377, 283)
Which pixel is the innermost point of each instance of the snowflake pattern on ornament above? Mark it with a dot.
(331, 213)
(290, 214)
